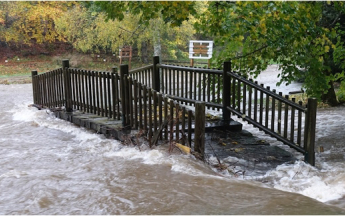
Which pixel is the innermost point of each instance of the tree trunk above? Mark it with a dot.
(330, 97)
(157, 48)
(144, 54)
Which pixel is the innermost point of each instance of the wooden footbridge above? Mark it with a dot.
(168, 102)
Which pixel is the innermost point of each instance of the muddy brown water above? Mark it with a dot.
(48, 166)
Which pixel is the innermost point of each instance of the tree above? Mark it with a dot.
(173, 12)
(90, 30)
(153, 15)
(301, 37)
(30, 22)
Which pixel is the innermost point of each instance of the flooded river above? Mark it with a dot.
(49, 166)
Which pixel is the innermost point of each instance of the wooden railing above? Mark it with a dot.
(116, 97)
(289, 122)
(276, 115)
(48, 88)
(146, 99)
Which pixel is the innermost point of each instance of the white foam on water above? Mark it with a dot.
(86, 139)
(13, 173)
(24, 114)
(179, 163)
(153, 156)
(322, 185)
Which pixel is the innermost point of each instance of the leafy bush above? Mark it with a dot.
(341, 92)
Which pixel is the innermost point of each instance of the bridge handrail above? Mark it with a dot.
(102, 93)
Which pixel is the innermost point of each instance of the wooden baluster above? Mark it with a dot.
(166, 118)
(109, 96)
(213, 89)
(155, 117)
(105, 94)
(273, 111)
(177, 125)
(190, 115)
(299, 127)
(140, 106)
(190, 87)
(149, 91)
(130, 101)
(292, 123)
(244, 98)
(97, 75)
(186, 85)
(286, 116)
(145, 107)
(160, 112)
(178, 83)
(280, 114)
(267, 108)
(83, 89)
(250, 98)
(183, 125)
(135, 84)
(261, 104)
(256, 102)
(171, 114)
(101, 93)
(219, 89)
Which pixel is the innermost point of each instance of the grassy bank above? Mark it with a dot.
(18, 69)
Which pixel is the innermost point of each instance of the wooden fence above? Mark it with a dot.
(154, 99)
(115, 96)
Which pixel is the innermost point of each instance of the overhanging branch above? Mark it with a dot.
(248, 54)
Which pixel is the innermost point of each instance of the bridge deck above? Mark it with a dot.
(236, 148)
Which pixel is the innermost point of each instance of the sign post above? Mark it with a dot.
(200, 50)
(126, 52)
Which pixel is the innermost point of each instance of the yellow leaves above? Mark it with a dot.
(237, 150)
(321, 59)
(326, 49)
(34, 20)
(263, 28)
(183, 148)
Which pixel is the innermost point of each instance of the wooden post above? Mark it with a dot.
(68, 87)
(114, 69)
(199, 132)
(113, 89)
(310, 125)
(155, 74)
(226, 92)
(191, 62)
(124, 92)
(34, 84)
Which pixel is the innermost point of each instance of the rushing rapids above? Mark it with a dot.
(49, 166)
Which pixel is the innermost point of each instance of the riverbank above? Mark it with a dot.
(15, 79)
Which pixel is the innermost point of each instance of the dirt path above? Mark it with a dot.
(15, 79)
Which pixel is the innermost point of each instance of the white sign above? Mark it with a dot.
(200, 49)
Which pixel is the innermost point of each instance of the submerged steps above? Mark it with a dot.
(221, 141)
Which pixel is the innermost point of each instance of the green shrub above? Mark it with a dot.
(341, 92)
